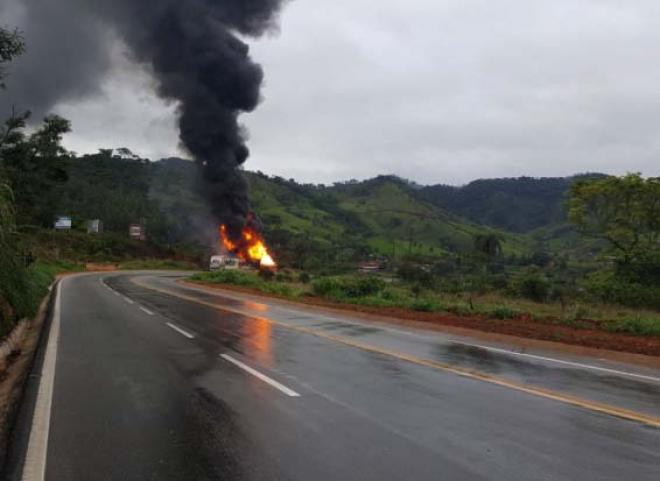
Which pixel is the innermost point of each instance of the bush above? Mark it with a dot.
(158, 264)
(415, 274)
(23, 289)
(504, 312)
(425, 305)
(605, 286)
(284, 276)
(532, 285)
(304, 278)
(348, 287)
(278, 289)
(234, 277)
(640, 327)
(460, 310)
(268, 275)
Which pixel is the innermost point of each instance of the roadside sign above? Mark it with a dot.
(63, 223)
(137, 232)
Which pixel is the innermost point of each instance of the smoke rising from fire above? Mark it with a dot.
(193, 49)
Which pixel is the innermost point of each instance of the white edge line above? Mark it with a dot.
(34, 467)
(179, 330)
(263, 377)
(144, 309)
(130, 301)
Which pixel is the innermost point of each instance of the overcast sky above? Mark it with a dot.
(438, 91)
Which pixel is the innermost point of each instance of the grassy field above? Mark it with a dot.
(377, 292)
(157, 264)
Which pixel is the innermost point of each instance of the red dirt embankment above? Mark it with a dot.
(524, 327)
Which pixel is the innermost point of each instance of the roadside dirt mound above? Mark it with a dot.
(524, 327)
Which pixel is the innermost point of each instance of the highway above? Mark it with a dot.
(144, 378)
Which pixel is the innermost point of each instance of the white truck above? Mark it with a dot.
(219, 262)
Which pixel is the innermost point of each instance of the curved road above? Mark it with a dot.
(143, 378)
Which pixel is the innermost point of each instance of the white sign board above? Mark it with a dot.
(63, 223)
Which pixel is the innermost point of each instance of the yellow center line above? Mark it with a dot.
(471, 374)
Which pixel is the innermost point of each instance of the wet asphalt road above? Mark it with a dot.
(141, 392)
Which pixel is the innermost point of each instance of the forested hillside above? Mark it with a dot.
(346, 221)
(385, 215)
(515, 204)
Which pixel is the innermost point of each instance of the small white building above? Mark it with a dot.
(94, 226)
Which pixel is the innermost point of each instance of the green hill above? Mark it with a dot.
(384, 216)
(516, 204)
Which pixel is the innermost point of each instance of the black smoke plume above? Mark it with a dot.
(195, 53)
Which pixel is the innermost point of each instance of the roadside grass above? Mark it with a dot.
(376, 292)
(638, 326)
(157, 264)
(252, 280)
(30, 286)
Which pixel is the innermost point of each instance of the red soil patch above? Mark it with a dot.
(524, 327)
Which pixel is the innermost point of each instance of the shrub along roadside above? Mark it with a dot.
(607, 287)
(157, 264)
(24, 289)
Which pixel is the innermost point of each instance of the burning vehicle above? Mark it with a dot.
(222, 261)
(250, 246)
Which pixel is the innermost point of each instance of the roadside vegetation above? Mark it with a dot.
(520, 301)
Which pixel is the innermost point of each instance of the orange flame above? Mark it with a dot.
(251, 247)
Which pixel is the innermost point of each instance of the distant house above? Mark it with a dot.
(94, 226)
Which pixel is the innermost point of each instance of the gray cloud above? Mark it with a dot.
(437, 91)
(67, 53)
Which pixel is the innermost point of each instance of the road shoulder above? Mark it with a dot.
(18, 390)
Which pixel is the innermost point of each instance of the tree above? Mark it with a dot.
(34, 165)
(489, 245)
(12, 131)
(624, 211)
(11, 45)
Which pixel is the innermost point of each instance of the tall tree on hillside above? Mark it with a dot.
(11, 273)
(624, 211)
(11, 45)
(34, 166)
